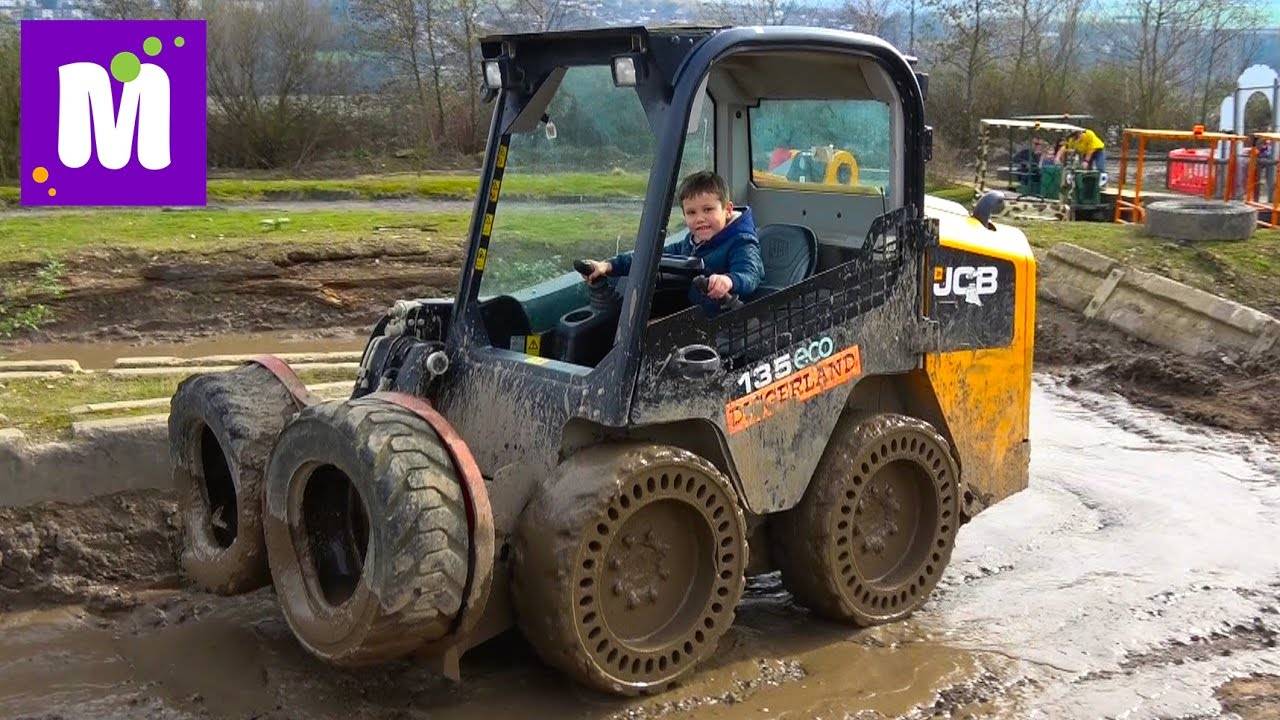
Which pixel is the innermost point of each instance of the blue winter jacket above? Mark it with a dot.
(734, 251)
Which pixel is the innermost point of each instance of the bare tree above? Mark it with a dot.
(463, 31)
(966, 48)
(752, 12)
(543, 15)
(873, 17)
(1159, 35)
(403, 32)
(10, 91)
(268, 81)
(1226, 33)
(121, 9)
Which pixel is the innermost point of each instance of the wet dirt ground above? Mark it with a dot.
(1137, 577)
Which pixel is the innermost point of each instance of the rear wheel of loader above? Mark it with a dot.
(629, 566)
(366, 529)
(869, 540)
(221, 429)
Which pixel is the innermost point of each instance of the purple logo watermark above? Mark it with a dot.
(113, 112)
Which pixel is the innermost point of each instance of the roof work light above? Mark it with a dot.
(628, 70)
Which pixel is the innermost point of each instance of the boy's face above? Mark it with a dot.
(705, 215)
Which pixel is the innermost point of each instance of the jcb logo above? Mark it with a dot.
(969, 282)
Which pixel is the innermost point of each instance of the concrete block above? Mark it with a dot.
(31, 375)
(102, 407)
(216, 360)
(100, 459)
(186, 370)
(1087, 260)
(59, 366)
(158, 371)
(1152, 307)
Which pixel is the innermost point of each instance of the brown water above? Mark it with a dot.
(98, 355)
(1137, 573)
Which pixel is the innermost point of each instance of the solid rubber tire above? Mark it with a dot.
(553, 543)
(808, 539)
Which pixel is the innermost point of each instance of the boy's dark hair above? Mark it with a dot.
(704, 181)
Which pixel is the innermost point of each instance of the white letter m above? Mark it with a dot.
(84, 93)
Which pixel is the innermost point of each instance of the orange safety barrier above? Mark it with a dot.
(1271, 218)
(1131, 210)
(1189, 170)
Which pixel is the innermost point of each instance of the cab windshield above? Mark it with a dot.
(573, 189)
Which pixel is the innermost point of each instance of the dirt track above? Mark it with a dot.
(1133, 579)
(1104, 589)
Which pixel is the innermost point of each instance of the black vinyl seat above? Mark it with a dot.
(790, 254)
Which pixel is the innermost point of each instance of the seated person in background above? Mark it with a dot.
(1049, 156)
(723, 237)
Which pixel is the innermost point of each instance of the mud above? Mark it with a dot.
(1134, 578)
(99, 553)
(1212, 391)
(129, 296)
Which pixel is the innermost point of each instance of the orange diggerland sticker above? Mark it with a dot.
(832, 372)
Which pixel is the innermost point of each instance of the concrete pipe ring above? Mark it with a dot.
(1197, 219)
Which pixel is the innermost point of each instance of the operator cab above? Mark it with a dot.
(809, 139)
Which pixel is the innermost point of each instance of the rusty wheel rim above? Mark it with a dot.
(895, 525)
(658, 576)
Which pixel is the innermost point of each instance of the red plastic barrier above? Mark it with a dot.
(1189, 170)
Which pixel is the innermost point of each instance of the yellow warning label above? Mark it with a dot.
(533, 345)
(481, 255)
(938, 274)
(488, 225)
(502, 156)
(493, 191)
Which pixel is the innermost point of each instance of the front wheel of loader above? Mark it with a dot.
(874, 530)
(366, 529)
(629, 566)
(221, 429)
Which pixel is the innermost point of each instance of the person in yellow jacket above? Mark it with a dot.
(1089, 146)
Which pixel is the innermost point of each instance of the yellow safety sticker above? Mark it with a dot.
(488, 225)
(533, 345)
(493, 191)
(502, 156)
(481, 255)
(938, 273)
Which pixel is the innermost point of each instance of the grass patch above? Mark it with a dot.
(8, 195)
(962, 194)
(566, 186)
(30, 238)
(17, 311)
(1248, 271)
(40, 408)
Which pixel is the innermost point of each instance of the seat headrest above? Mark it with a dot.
(789, 253)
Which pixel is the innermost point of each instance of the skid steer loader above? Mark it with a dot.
(603, 465)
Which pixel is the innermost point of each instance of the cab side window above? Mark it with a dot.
(829, 145)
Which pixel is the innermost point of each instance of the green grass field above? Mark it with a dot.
(444, 186)
(34, 238)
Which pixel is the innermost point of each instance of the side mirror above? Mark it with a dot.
(991, 203)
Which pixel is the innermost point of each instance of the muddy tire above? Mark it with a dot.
(221, 429)
(366, 529)
(629, 566)
(871, 536)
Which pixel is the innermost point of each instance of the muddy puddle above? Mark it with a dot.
(1135, 576)
(99, 355)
